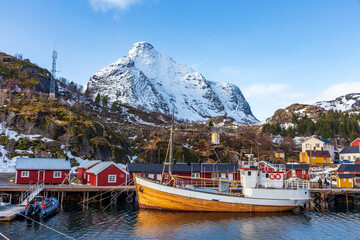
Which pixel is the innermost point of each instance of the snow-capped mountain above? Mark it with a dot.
(148, 79)
(349, 102)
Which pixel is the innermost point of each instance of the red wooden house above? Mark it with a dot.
(297, 171)
(83, 168)
(106, 174)
(184, 171)
(48, 170)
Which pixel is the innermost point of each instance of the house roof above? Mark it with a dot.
(102, 166)
(279, 151)
(89, 163)
(348, 167)
(357, 139)
(346, 175)
(350, 149)
(297, 166)
(182, 167)
(318, 153)
(42, 164)
(323, 140)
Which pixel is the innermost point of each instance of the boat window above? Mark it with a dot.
(25, 174)
(112, 178)
(249, 173)
(57, 174)
(267, 175)
(214, 175)
(195, 175)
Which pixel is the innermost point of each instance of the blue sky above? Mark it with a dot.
(278, 52)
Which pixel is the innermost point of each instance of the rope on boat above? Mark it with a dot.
(47, 227)
(4, 236)
(102, 193)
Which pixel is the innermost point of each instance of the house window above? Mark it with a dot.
(307, 145)
(342, 158)
(25, 174)
(317, 145)
(344, 180)
(303, 172)
(325, 160)
(88, 177)
(151, 176)
(195, 175)
(214, 175)
(354, 157)
(249, 173)
(166, 176)
(112, 178)
(57, 174)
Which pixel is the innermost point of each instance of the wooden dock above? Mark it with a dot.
(10, 213)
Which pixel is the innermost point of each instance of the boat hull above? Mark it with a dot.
(152, 195)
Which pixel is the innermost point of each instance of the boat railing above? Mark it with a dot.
(297, 185)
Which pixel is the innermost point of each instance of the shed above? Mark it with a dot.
(297, 171)
(48, 170)
(106, 174)
(84, 167)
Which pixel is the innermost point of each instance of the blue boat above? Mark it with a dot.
(41, 208)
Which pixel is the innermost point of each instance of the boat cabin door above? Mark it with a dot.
(41, 175)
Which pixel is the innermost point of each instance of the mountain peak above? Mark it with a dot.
(157, 83)
(142, 48)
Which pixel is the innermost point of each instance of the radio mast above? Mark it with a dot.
(53, 72)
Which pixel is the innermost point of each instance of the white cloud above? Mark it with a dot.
(104, 5)
(338, 90)
(264, 90)
(265, 99)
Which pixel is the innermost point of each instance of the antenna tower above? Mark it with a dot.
(53, 72)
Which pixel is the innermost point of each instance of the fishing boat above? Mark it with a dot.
(41, 208)
(263, 187)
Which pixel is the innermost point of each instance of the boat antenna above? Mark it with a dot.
(169, 152)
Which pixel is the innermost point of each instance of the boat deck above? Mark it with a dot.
(10, 213)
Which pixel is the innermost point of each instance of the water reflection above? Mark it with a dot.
(185, 225)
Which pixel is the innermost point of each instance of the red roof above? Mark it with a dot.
(312, 153)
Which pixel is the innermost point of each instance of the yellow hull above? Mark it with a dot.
(149, 198)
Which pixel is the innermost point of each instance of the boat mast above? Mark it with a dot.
(168, 161)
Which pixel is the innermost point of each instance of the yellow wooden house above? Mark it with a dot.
(313, 156)
(280, 154)
(345, 180)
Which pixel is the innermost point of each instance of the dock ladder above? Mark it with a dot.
(31, 193)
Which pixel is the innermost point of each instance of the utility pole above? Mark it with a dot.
(53, 73)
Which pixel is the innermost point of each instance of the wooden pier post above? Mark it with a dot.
(84, 200)
(87, 200)
(347, 203)
(100, 198)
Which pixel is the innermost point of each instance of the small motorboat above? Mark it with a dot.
(41, 208)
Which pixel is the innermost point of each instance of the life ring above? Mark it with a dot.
(278, 176)
(129, 199)
(272, 176)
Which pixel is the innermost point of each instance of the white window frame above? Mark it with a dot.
(166, 176)
(88, 178)
(195, 175)
(55, 174)
(25, 174)
(151, 175)
(317, 145)
(307, 145)
(112, 178)
(215, 175)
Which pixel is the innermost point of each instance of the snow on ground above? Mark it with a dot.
(16, 136)
(77, 159)
(132, 158)
(6, 164)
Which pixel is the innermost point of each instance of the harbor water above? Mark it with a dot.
(132, 223)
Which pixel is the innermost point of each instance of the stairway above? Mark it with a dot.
(31, 193)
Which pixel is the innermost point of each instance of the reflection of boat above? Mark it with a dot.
(264, 189)
(41, 208)
(212, 225)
